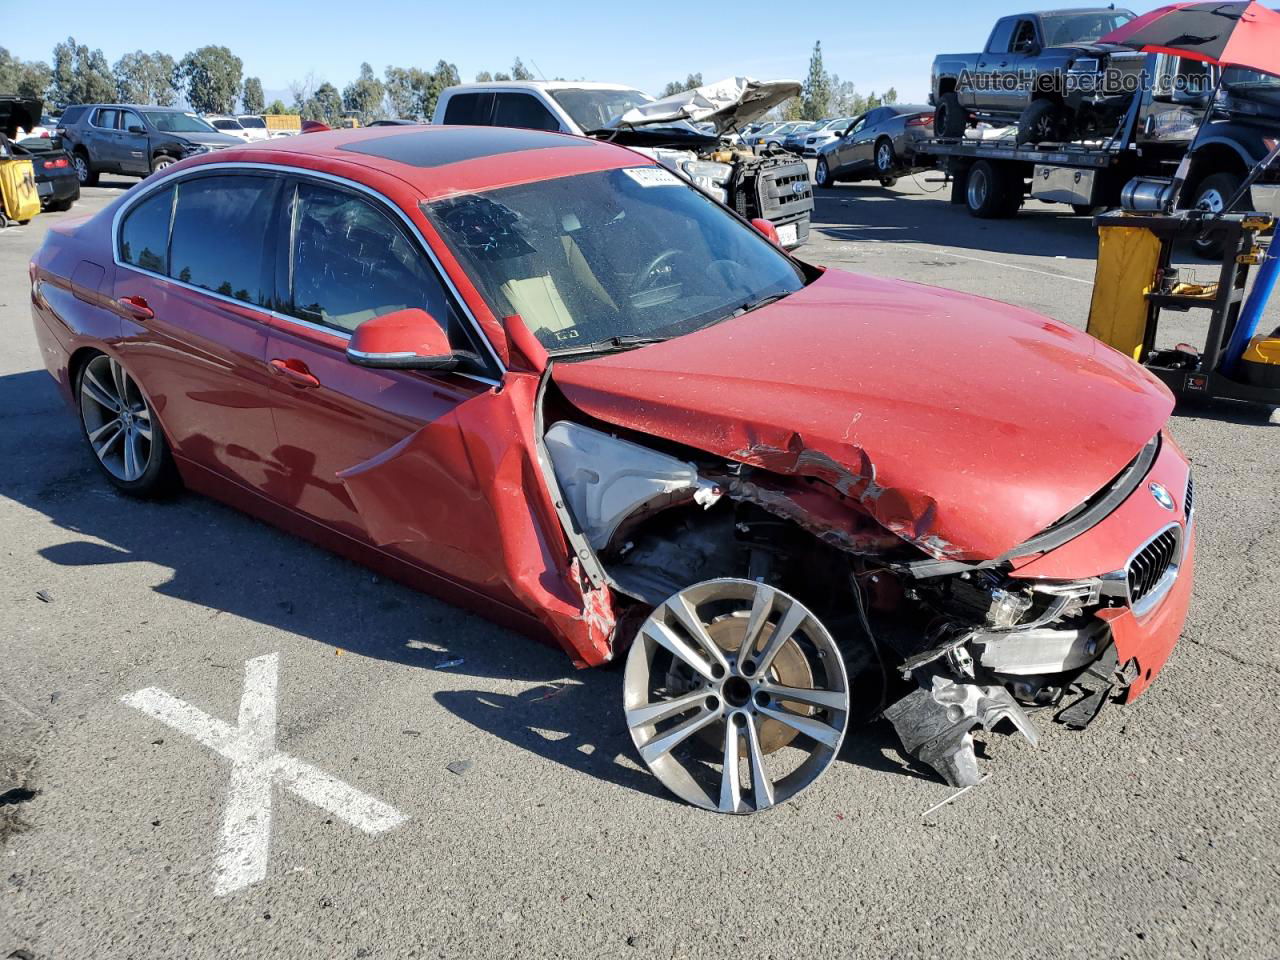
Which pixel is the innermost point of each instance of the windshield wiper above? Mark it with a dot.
(609, 345)
(762, 302)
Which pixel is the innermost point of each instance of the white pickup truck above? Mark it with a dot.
(775, 187)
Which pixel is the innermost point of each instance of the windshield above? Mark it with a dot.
(635, 252)
(227, 124)
(255, 123)
(595, 109)
(175, 121)
(1061, 31)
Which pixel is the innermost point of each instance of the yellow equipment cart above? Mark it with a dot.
(19, 200)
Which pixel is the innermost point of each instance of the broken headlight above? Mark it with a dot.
(709, 177)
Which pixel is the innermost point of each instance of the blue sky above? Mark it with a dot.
(641, 44)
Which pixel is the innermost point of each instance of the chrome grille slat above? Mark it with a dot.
(1150, 564)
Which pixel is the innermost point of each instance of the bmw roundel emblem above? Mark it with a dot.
(1162, 496)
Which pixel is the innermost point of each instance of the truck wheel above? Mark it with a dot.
(950, 119)
(160, 162)
(1213, 194)
(990, 193)
(87, 176)
(822, 174)
(1041, 122)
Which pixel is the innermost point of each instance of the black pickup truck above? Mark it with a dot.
(1045, 71)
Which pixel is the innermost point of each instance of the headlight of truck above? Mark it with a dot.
(191, 149)
(709, 177)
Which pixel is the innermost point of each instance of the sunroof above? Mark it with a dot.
(434, 148)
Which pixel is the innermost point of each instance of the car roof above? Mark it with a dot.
(436, 161)
(139, 107)
(1071, 11)
(538, 85)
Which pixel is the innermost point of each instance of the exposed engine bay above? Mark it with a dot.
(738, 583)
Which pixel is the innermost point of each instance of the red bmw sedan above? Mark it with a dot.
(546, 379)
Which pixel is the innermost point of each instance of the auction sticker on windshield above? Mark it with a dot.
(652, 176)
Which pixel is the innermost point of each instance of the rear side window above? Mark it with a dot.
(469, 108)
(220, 228)
(144, 235)
(523, 110)
(106, 119)
(351, 262)
(71, 115)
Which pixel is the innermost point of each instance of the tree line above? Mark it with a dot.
(211, 80)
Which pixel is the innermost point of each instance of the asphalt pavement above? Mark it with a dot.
(219, 741)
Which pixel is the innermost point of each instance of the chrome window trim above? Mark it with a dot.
(174, 178)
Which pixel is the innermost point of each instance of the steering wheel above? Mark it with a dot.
(644, 279)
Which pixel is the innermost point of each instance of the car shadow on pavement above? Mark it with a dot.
(219, 559)
(867, 213)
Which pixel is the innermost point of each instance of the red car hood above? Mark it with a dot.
(964, 425)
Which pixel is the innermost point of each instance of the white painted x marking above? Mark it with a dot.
(256, 767)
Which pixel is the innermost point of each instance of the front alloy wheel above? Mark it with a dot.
(736, 696)
(822, 173)
(159, 163)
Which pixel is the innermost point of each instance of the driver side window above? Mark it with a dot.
(1024, 38)
(350, 262)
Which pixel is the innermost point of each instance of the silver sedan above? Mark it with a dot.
(879, 145)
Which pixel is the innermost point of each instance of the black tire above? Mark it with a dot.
(159, 476)
(59, 206)
(85, 173)
(991, 193)
(1213, 193)
(162, 161)
(950, 118)
(822, 174)
(1084, 210)
(1042, 122)
(888, 182)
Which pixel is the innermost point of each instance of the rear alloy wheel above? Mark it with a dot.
(84, 172)
(822, 174)
(736, 696)
(886, 160)
(120, 429)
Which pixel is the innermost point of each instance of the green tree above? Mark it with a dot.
(845, 99)
(277, 107)
(816, 95)
(675, 86)
(324, 105)
(80, 75)
(407, 89)
(210, 77)
(445, 75)
(501, 76)
(26, 78)
(891, 95)
(484, 76)
(518, 71)
(252, 98)
(364, 95)
(146, 78)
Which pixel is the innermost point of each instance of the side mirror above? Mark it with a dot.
(134, 128)
(767, 230)
(404, 340)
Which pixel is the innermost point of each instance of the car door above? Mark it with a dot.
(843, 151)
(133, 144)
(984, 93)
(862, 143)
(348, 257)
(102, 139)
(195, 277)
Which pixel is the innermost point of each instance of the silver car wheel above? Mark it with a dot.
(159, 163)
(979, 187)
(736, 696)
(884, 158)
(1212, 201)
(117, 419)
(82, 168)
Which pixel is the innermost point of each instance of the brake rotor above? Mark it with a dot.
(790, 668)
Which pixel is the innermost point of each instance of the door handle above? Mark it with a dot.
(137, 308)
(295, 371)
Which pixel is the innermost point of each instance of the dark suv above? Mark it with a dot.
(133, 140)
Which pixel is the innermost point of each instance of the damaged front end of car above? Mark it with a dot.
(772, 597)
